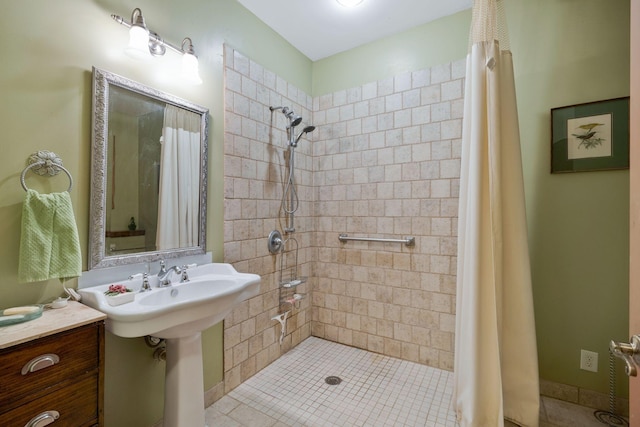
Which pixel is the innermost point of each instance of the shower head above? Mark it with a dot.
(294, 119)
(306, 129)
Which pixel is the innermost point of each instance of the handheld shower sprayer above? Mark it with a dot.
(307, 129)
(290, 201)
(294, 120)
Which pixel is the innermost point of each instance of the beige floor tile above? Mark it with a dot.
(565, 414)
(217, 419)
(226, 404)
(376, 391)
(247, 416)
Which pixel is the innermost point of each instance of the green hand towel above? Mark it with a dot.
(49, 244)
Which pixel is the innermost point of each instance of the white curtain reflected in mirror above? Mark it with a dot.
(178, 202)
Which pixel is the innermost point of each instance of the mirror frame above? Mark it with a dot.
(97, 258)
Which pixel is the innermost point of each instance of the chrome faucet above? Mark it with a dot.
(185, 276)
(145, 281)
(164, 275)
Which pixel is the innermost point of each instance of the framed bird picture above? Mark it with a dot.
(590, 137)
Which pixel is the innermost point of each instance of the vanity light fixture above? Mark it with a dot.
(144, 43)
(349, 3)
(138, 36)
(190, 63)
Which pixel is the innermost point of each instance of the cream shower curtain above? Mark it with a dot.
(178, 201)
(496, 365)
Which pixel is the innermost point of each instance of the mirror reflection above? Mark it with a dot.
(134, 130)
(148, 174)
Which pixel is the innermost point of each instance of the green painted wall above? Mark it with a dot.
(565, 52)
(439, 42)
(573, 52)
(49, 49)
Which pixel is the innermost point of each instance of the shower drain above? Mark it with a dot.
(610, 419)
(333, 380)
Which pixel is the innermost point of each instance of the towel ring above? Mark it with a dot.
(45, 163)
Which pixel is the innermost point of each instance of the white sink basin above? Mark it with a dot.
(179, 313)
(181, 309)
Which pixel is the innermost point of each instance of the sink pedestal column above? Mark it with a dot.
(183, 386)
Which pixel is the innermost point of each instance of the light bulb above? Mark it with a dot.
(138, 43)
(349, 3)
(190, 71)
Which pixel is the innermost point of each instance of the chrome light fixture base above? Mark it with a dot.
(156, 44)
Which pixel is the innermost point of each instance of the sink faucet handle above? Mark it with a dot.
(145, 283)
(184, 277)
(163, 267)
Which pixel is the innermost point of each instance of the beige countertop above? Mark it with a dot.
(51, 322)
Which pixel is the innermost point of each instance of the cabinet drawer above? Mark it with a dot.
(76, 351)
(76, 406)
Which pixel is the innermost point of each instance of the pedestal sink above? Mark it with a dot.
(178, 313)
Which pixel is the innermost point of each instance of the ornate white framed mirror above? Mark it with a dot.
(148, 174)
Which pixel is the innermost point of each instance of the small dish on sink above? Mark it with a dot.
(115, 300)
(118, 294)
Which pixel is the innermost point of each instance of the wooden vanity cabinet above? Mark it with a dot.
(56, 380)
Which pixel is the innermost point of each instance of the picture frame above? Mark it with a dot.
(590, 137)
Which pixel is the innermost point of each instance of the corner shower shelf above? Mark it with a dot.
(296, 298)
(294, 282)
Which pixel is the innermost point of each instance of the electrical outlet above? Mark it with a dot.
(589, 360)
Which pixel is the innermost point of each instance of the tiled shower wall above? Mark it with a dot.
(384, 161)
(387, 164)
(255, 159)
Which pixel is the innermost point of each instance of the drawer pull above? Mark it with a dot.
(43, 419)
(40, 362)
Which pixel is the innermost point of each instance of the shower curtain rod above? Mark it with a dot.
(409, 241)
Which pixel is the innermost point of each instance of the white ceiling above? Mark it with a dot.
(321, 28)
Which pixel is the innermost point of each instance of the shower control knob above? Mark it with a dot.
(274, 242)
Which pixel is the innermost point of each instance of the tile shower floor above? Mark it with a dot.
(375, 390)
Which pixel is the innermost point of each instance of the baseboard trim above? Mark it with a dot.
(582, 396)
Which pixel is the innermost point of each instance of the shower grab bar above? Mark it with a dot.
(409, 241)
